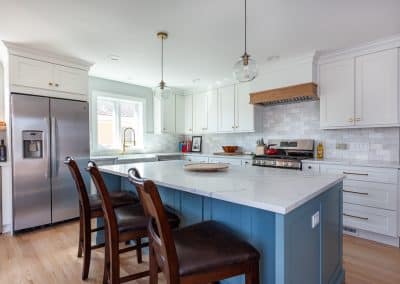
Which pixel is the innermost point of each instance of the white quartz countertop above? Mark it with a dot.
(140, 156)
(359, 163)
(276, 190)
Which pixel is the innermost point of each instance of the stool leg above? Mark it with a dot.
(114, 262)
(80, 234)
(153, 267)
(106, 272)
(139, 250)
(87, 249)
(253, 275)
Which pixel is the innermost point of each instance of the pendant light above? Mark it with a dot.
(245, 69)
(162, 91)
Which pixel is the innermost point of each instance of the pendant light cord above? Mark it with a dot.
(245, 26)
(162, 59)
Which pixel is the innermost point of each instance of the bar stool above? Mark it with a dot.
(90, 208)
(201, 253)
(122, 224)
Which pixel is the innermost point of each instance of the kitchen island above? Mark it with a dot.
(293, 219)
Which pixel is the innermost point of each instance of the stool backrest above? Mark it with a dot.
(79, 184)
(160, 234)
(108, 210)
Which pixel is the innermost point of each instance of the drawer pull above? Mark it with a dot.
(356, 174)
(356, 192)
(357, 217)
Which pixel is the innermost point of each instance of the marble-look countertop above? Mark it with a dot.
(359, 163)
(140, 156)
(275, 190)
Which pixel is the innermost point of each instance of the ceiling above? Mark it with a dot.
(205, 36)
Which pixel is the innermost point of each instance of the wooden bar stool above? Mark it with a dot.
(90, 208)
(122, 224)
(201, 253)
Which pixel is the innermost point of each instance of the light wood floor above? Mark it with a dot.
(48, 256)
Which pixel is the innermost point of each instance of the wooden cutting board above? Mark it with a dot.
(206, 167)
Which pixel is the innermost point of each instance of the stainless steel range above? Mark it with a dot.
(287, 154)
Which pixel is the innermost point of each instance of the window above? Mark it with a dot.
(112, 115)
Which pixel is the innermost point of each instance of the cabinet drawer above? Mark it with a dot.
(363, 173)
(380, 221)
(236, 162)
(197, 159)
(379, 195)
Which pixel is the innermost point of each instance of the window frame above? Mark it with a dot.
(94, 123)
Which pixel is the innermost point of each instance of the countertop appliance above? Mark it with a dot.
(45, 131)
(291, 153)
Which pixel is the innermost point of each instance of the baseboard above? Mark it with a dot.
(6, 229)
(388, 240)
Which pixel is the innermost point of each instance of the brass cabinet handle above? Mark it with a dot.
(56, 85)
(356, 174)
(233, 126)
(355, 192)
(351, 120)
(50, 84)
(190, 129)
(357, 217)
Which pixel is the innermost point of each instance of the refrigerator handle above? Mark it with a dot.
(47, 172)
(54, 156)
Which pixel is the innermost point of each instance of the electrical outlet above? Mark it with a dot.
(341, 146)
(315, 220)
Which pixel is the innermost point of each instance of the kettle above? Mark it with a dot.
(271, 151)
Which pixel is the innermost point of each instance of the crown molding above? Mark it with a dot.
(26, 51)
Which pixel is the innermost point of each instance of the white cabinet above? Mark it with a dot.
(336, 88)
(70, 80)
(196, 158)
(180, 114)
(226, 109)
(361, 91)
(310, 168)
(235, 113)
(244, 111)
(231, 161)
(32, 73)
(188, 106)
(205, 112)
(168, 114)
(377, 94)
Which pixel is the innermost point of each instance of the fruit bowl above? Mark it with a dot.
(230, 149)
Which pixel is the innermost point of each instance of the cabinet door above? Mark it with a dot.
(200, 113)
(31, 73)
(188, 104)
(180, 114)
(377, 88)
(244, 111)
(70, 80)
(212, 112)
(168, 114)
(226, 109)
(336, 87)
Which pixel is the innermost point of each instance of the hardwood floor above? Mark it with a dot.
(48, 256)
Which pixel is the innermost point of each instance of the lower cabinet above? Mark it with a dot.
(206, 159)
(370, 199)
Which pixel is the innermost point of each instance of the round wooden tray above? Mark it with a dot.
(206, 167)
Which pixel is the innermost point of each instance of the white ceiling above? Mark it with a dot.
(205, 36)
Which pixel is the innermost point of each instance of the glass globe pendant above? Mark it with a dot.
(162, 91)
(245, 69)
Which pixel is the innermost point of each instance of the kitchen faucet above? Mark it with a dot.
(125, 142)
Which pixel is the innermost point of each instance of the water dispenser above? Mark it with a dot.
(33, 144)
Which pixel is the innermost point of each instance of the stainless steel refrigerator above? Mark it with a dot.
(45, 131)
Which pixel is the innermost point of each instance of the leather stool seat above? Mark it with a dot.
(209, 244)
(118, 198)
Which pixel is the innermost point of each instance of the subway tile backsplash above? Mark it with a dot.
(301, 120)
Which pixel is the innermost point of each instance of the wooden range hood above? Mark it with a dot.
(291, 94)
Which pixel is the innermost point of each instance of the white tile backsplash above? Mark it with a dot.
(301, 120)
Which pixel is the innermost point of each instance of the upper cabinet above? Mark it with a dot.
(184, 114)
(205, 112)
(168, 113)
(360, 91)
(336, 88)
(33, 73)
(235, 113)
(377, 94)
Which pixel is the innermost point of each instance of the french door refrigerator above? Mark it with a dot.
(44, 132)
